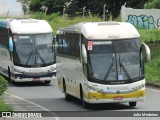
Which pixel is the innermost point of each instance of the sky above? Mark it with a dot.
(10, 7)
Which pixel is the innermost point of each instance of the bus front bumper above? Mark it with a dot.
(26, 78)
(95, 97)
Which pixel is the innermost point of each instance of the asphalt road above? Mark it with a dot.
(40, 97)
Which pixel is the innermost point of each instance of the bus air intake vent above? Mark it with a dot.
(107, 23)
(29, 21)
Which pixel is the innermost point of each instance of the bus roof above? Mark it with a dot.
(103, 30)
(26, 26)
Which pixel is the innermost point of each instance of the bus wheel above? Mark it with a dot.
(132, 104)
(67, 96)
(84, 104)
(47, 82)
(9, 76)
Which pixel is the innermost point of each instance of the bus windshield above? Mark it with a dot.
(34, 50)
(115, 61)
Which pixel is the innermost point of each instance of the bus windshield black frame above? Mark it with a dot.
(33, 50)
(115, 61)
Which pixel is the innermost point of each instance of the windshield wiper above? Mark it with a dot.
(124, 69)
(109, 69)
(29, 58)
(41, 58)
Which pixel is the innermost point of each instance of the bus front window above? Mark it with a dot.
(117, 60)
(102, 62)
(33, 50)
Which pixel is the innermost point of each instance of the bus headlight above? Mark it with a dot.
(138, 87)
(96, 89)
(52, 69)
(19, 71)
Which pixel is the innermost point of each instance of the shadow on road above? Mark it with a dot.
(102, 106)
(74, 108)
(60, 104)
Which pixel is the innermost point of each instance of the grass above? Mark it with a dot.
(152, 68)
(4, 106)
(150, 35)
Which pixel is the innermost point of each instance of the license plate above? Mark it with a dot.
(118, 98)
(36, 79)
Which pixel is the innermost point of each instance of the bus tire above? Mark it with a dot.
(67, 96)
(9, 76)
(84, 103)
(132, 104)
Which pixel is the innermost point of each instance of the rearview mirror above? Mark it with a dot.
(84, 54)
(148, 52)
(10, 44)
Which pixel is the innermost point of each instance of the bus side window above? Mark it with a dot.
(4, 37)
(74, 47)
(69, 44)
(59, 42)
(66, 44)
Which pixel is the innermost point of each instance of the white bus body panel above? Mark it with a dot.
(104, 30)
(29, 26)
(71, 71)
(5, 61)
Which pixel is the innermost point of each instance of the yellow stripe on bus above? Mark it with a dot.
(93, 95)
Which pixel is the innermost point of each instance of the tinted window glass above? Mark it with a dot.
(68, 44)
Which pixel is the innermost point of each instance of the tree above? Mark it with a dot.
(25, 5)
(94, 6)
(152, 4)
(139, 4)
(73, 8)
(53, 6)
(113, 7)
(76, 7)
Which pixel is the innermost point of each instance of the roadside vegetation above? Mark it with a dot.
(4, 106)
(3, 88)
(150, 36)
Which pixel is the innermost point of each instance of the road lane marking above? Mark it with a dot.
(13, 103)
(153, 90)
(28, 101)
(43, 108)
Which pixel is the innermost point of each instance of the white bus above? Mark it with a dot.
(27, 52)
(101, 62)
